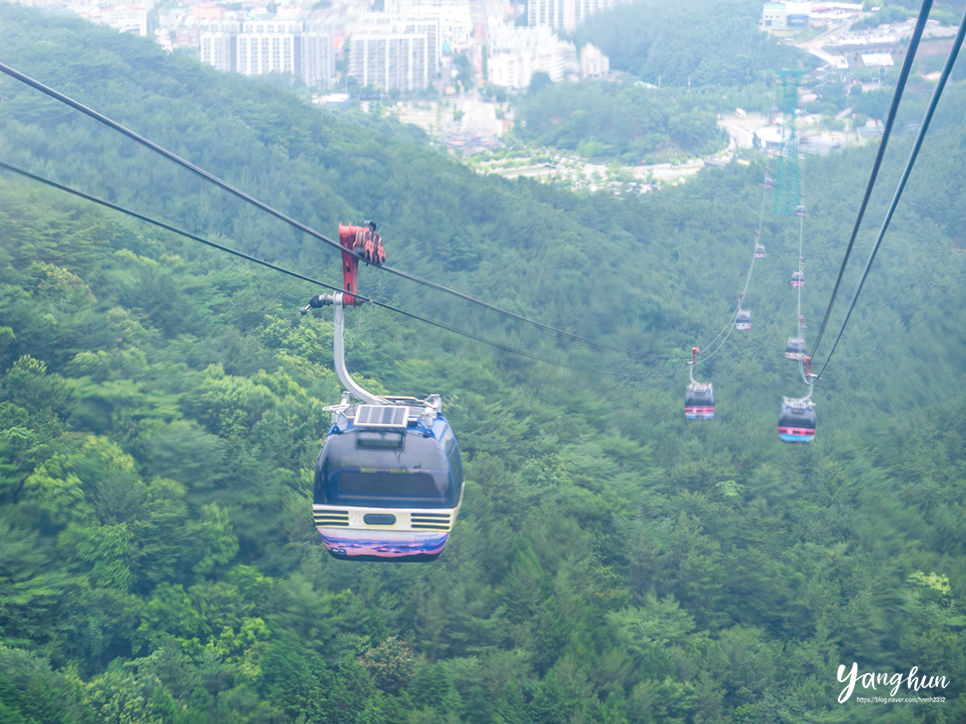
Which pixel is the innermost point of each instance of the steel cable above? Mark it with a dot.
(913, 154)
(311, 280)
(101, 118)
(886, 133)
(729, 325)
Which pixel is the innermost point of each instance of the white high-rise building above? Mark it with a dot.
(563, 14)
(273, 45)
(593, 62)
(515, 54)
(454, 16)
(216, 50)
(318, 54)
(268, 46)
(123, 18)
(394, 51)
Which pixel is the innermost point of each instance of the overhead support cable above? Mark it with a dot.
(730, 324)
(317, 282)
(168, 227)
(886, 133)
(913, 154)
(805, 375)
(731, 328)
(761, 223)
(211, 178)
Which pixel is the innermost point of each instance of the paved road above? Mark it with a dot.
(814, 47)
(742, 130)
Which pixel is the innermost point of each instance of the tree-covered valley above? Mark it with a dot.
(702, 42)
(606, 120)
(161, 413)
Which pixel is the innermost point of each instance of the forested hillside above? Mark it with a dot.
(606, 120)
(705, 42)
(160, 413)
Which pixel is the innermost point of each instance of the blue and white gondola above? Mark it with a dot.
(796, 421)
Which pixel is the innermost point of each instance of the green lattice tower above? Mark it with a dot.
(787, 182)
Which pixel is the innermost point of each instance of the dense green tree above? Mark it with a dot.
(606, 119)
(704, 42)
(161, 411)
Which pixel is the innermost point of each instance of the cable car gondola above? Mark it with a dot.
(796, 421)
(389, 478)
(759, 251)
(795, 349)
(699, 399)
(389, 481)
(798, 278)
(743, 320)
(769, 184)
(800, 210)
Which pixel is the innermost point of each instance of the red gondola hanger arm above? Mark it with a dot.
(350, 263)
(358, 240)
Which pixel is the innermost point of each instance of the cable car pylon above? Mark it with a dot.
(389, 478)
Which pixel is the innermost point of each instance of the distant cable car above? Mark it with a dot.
(769, 184)
(796, 421)
(743, 320)
(699, 399)
(759, 251)
(798, 278)
(800, 210)
(795, 349)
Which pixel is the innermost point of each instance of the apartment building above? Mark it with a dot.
(272, 45)
(516, 53)
(394, 51)
(564, 15)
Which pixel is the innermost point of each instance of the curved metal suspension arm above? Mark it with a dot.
(805, 371)
(337, 300)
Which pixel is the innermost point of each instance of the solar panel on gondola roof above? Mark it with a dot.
(390, 416)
